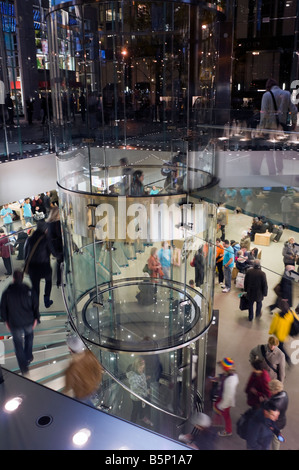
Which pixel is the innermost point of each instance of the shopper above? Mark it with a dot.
(289, 253)
(6, 252)
(165, 257)
(138, 384)
(84, 374)
(256, 286)
(54, 235)
(6, 216)
(219, 261)
(222, 219)
(272, 356)
(281, 326)
(154, 264)
(203, 436)
(257, 388)
(228, 264)
(37, 261)
(137, 188)
(261, 426)
(276, 107)
(27, 211)
(20, 311)
(285, 289)
(228, 382)
(280, 400)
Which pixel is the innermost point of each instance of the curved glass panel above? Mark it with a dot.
(129, 177)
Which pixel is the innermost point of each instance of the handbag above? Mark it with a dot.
(27, 263)
(146, 269)
(244, 304)
(277, 289)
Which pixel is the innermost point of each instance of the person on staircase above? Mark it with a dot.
(37, 252)
(20, 312)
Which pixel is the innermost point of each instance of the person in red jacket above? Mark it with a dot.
(154, 264)
(6, 251)
(257, 388)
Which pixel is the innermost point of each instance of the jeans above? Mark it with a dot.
(23, 343)
(228, 277)
(257, 311)
(220, 271)
(9, 227)
(37, 273)
(167, 272)
(7, 264)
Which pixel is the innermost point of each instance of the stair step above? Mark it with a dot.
(44, 373)
(56, 383)
(40, 357)
(40, 341)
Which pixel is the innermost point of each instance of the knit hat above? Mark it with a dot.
(227, 363)
(201, 419)
(75, 344)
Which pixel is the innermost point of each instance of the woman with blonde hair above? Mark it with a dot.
(138, 385)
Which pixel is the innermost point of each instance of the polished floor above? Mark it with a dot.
(237, 336)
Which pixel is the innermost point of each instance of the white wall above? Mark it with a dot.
(27, 177)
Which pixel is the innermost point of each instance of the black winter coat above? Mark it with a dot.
(286, 286)
(19, 305)
(199, 266)
(255, 284)
(55, 238)
(281, 401)
(42, 252)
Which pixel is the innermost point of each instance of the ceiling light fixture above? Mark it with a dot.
(13, 404)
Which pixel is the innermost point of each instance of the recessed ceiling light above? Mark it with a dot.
(81, 437)
(13, 404)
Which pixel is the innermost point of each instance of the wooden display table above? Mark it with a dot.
(262, 239)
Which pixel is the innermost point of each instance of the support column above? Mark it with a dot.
(27, 53)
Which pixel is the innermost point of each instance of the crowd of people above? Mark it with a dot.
(265, 387)
(20, 302)
(18, 226)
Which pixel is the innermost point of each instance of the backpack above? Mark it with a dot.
(242, 423)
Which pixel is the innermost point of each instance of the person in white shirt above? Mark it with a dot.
(228, 382)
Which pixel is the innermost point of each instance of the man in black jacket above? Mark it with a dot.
(20, 311)
(261, 427)
(38, 251)
(256, 286)
(280, 400)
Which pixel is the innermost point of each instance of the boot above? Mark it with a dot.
(47, 301)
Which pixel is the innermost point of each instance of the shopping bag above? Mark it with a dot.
(243, 302)
(240, 280)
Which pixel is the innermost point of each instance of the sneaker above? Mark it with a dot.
(224, 433)
(225, 290)
(222, 284)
